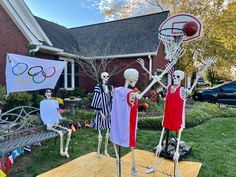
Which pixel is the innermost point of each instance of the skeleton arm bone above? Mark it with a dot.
(209, 62)
(157, 79)
(174, 58)
(141, 62)
(176, 55)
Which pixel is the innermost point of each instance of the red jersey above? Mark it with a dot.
(124, 118)
(174, 113)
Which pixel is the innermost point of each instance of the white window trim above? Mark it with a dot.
(66, 74)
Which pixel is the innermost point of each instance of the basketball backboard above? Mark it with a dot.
(177, 22)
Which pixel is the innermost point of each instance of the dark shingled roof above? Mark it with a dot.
(58, 35)
(121, 37)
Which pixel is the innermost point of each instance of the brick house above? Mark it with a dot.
(122, 40)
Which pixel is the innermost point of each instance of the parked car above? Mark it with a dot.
(201, 82)
(224, 93)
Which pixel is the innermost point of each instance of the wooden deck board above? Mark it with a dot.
(91, 166)
(145, 159)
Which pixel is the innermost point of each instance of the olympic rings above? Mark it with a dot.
(44, 72)
(22, 72)
(24, 81)
(38, 82)
(35, 74)
(32, 72)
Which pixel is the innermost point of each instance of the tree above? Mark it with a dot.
(119, 9)
(92, 65)
(219, 22)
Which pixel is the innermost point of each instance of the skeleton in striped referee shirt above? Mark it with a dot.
(102, 103)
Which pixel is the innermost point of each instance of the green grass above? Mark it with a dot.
(213, 143)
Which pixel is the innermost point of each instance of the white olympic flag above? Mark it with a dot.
(25, 73)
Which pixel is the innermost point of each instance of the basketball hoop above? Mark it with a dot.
(171, 36)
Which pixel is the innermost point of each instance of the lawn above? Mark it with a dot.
(213, 143)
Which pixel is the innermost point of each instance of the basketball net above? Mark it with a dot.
(172, 38)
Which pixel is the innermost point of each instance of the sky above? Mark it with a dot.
(69, 13)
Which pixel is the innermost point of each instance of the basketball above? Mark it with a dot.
(190, 28)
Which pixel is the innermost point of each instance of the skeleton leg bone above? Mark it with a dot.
(134, 169)
(67, 141)
(99, 143)
(106, 143)
(117, 161)
(61, 139)
(158, 151)
(176, 155)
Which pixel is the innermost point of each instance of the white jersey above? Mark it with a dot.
(124, 118)
(49, 112)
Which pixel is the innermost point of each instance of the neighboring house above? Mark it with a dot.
(122, 40)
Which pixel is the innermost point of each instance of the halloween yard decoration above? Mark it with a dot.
(50, 115)
(125, 117)
(102, 102)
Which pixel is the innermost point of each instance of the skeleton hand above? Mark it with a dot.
(173, 54)
(102, 116)
(138, 96)
(176, 157)
(158, 149)
(132, 97)
(141, 62)
(188, 92)
(179, 52)
(209, 62)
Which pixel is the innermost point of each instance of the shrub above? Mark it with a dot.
(85, 114)
(36, 98)
(18, 99)
(2, 93)
(202, 111)
(2, 96)
(150, 123)
(86, 101)
(62, 93)
(157, 106)
(77, 92)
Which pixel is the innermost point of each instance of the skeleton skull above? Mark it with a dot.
(48, 94)
(131, 76)
(178, 77)
(104, 77)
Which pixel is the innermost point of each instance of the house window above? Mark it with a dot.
(67, 79)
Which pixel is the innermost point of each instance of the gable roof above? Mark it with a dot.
(58, 35)
(132, 36)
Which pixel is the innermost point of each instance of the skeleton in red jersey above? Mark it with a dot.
(174, 112)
